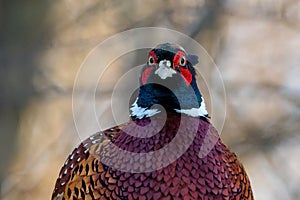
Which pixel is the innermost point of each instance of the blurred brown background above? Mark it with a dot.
(255, 44)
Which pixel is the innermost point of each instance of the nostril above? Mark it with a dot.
(165, 63)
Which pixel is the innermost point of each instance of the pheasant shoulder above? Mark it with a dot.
(81, 177)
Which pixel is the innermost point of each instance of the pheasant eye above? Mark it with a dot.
(151, 60)
(182, 61)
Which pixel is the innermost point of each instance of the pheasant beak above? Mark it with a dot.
(164, 69)
(165, 62)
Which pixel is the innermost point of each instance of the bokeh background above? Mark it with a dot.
(255, 44)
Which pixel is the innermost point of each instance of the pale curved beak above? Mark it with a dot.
(164, 69)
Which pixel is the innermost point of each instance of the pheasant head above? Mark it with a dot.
(169, 79)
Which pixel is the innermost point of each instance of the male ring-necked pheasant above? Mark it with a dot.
(168, 149)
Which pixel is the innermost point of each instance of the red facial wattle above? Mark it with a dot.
(186, 75)
(147, 71)
(184, 71)
(145, 74)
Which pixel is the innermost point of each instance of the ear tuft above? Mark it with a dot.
(193, 59)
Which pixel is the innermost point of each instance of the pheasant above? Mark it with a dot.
(167, 150)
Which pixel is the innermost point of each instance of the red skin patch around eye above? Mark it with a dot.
(151, 53)
(186, 75)
(177, 57)
(146, 74)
